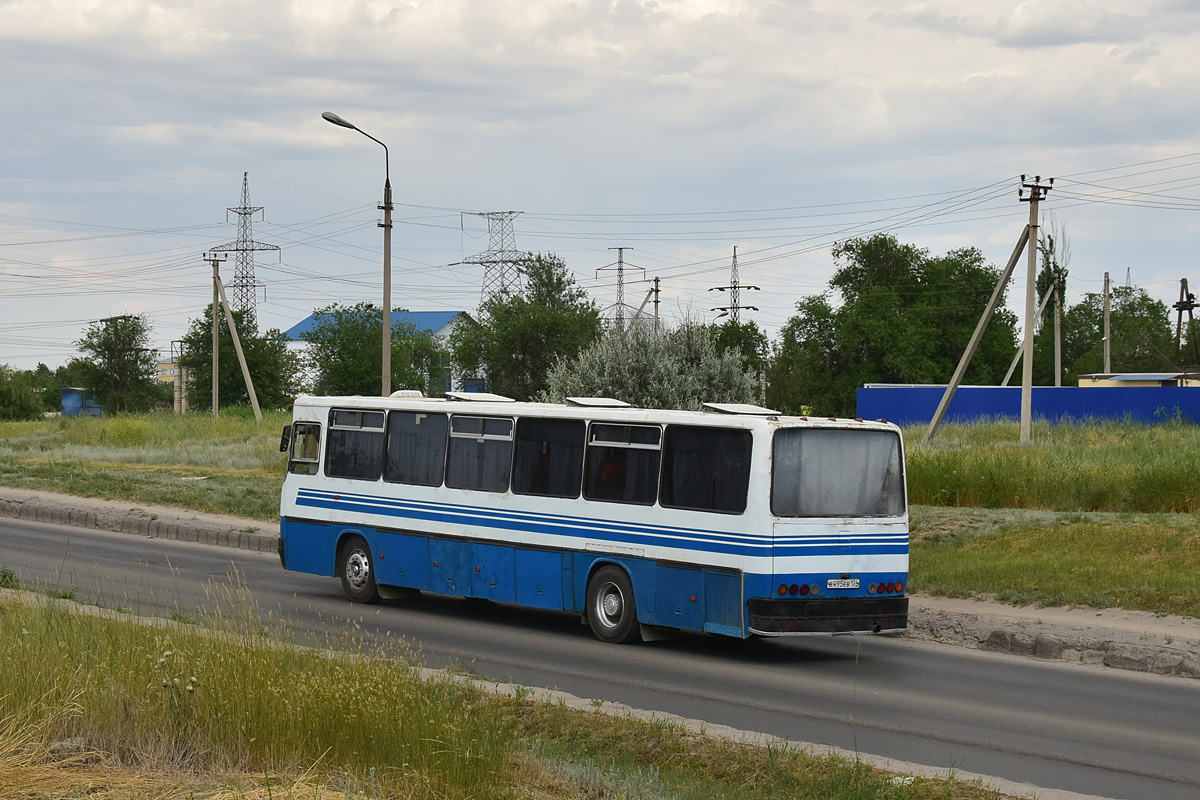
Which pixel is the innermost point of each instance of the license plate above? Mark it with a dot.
(841, 583)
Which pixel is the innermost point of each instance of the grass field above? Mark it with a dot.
(1099, 466)
(1146, 562)
(228, 709)
(229, 465)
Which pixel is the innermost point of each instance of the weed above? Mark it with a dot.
(9, 579)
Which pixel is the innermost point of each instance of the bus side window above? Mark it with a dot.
(549, 457)
(416, 448)
(355, 446)
(306, 448)
(706, 469)
(480, 454)
(622, 463)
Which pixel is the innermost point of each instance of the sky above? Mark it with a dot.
(680, 129)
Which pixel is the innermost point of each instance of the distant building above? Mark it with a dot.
(439, 324)
(167, 370)
(1129, 380)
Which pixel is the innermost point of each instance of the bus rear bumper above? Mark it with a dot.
(826, 617)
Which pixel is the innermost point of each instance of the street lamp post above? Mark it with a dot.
(329, 116)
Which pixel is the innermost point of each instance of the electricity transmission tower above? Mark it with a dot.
(244, 284)
(619, 306)
(501, 261)
(734, 288)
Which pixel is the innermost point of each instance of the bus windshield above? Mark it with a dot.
(836, 473)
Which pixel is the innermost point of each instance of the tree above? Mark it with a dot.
(121, 369)
(681, 368)
(18, 397)
(747, 340)
(1142, 337)
(273, 368)
(345, 353)
(1054, 251)
(521, 335)
(905, 317)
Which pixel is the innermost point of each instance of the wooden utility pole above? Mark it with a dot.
(1037, 193)
(219, 291)
(1187, 302)
(1057, 337)
(1107, 331)
(215, 259)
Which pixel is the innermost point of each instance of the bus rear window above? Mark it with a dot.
(836, 473)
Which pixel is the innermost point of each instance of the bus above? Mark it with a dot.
(735, 520)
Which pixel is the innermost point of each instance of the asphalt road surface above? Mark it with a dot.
(1085, 729)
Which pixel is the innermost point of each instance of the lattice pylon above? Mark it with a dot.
(501, 261)
(244, 285)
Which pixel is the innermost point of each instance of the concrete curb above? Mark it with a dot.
(175, 524)
(1145, 650)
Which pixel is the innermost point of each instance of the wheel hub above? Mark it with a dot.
(358, 568)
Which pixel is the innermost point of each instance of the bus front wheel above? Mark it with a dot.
(357, 570)
(612, 614)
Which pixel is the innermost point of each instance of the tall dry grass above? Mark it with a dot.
(1087, 466)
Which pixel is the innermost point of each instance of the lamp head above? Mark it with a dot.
(329, 116)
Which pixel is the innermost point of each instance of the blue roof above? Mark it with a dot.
(427, 321)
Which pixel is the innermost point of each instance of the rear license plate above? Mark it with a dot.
(841, 583)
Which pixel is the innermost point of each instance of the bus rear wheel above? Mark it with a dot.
(357, 570)
(612, 614)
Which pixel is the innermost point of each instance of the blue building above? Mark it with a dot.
(77, 403)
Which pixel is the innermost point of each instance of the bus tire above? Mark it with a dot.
(357, 570)
(611, 611)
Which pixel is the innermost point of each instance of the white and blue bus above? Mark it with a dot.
(736, 520)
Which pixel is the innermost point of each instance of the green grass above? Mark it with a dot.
(1147, 562)
(228, 465)
(221, 710)
(1094, 466)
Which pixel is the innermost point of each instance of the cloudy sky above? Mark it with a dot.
(677, 128)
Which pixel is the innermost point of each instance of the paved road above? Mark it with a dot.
(1085, 729)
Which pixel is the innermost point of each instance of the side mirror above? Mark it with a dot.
(286, 440)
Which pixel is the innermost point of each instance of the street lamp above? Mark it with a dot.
(329, 116)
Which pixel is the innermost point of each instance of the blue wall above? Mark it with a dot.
(906, 405)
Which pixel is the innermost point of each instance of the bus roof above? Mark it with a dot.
(726, 416)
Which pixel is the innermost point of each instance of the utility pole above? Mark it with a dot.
(215, 259)
(1057, 337)
(1037, 193)
(734, 289)
(1107, 331)
(1187, 302)
(656, 306)
(219, 291)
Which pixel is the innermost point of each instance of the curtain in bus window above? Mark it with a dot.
(354, 454)
(549, 457)
(837, 473)
(621, 474)
(416, 448)
(480, 455)
(706, 469)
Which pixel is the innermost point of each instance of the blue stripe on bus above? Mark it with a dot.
(626, 533)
